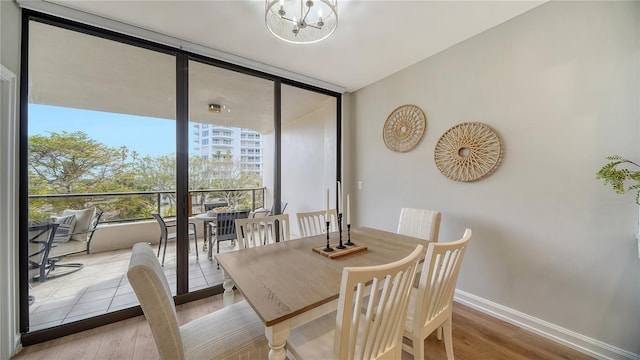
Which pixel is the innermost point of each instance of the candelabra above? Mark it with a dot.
(328, 248)
(349, 243)
(340, 246)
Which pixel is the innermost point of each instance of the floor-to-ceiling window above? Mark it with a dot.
(101, 139)
(108, 128)
(230, 155)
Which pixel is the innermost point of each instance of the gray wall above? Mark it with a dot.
(560, 85)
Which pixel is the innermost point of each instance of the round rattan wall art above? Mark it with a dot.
(468, 152)
(404, 128)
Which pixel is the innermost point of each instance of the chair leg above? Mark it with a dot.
(195, 238)
(195, 243)
(159, 245)
(448, 338)
(53, 265)
(218, 250)
(418, 347)
(164, 253)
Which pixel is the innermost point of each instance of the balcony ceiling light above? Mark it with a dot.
(217, 108)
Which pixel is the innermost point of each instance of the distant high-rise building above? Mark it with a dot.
(244, 145)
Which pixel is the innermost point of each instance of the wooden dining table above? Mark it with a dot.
(288, 284)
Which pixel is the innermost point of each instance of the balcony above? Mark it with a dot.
(101, 286)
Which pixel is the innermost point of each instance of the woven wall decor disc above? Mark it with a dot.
(468, 152)
(404, 128)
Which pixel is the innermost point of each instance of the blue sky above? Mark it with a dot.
(147, 136)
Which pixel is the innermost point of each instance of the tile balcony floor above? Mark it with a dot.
(101, 286)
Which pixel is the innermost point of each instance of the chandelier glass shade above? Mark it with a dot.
(301, 21)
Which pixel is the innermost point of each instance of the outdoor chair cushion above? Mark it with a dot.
(83, 221)
(66, 226)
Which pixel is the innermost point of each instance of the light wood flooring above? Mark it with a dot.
(476, 336)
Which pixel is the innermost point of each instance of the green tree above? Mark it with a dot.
(229, 175)
(72, 163)
(218, 172)
(158, 173)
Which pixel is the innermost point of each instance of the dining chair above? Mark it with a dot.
(420, 223)
(263, 230)
(233, 332)
(165, 235)
(314, 222)
(431, 304)
(358, 331)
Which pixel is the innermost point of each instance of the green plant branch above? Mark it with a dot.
(618, 177)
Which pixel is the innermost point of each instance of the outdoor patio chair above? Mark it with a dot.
(233, 332)
(258, 213)
(283, 206)
(225, 228)
(165, 235)
(40, 239)
(71, 240)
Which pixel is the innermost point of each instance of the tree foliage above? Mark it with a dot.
(67, 163)
(72, 163)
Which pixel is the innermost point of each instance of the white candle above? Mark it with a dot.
(326, 214)
(348, 209)
(340, 208)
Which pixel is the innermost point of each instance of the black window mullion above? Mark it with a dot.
(182, 173)
(23, 184)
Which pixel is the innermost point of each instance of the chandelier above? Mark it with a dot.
(301, 21)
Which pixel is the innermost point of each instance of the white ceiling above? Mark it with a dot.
(374, 39)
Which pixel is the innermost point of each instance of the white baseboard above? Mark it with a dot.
(584, 344)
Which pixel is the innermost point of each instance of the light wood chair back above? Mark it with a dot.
(432, 303)
(263, 230)
(314, 222)
(371, 313)
(420, 223)
(234, 332)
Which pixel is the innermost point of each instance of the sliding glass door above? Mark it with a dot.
(101, 147)
(124, 141)
(230, 156)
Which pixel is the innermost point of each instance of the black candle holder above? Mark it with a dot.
(340, 246)
(327, 248)
(349, 243)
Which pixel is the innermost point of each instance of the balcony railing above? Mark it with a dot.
(120, 207)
